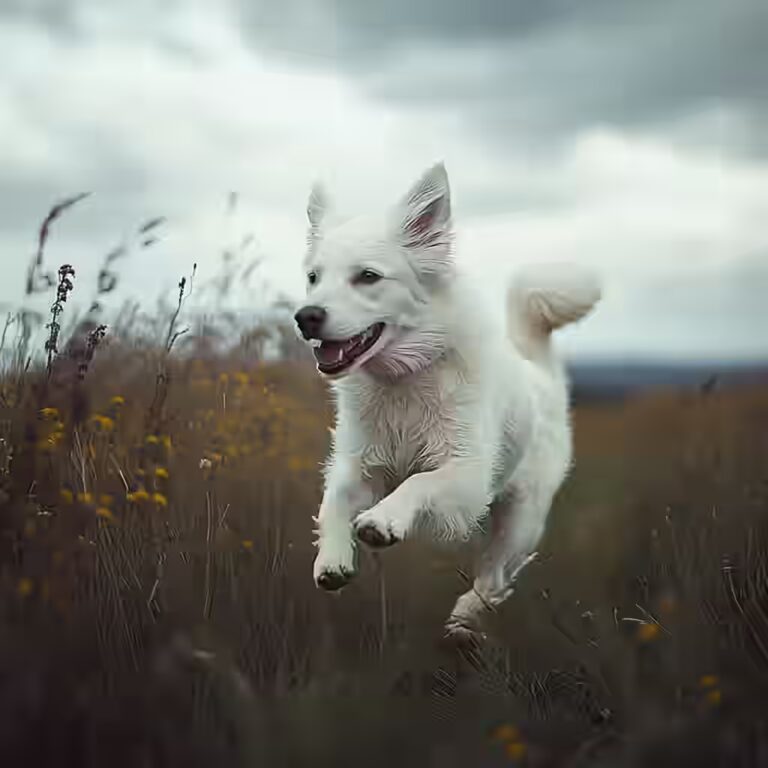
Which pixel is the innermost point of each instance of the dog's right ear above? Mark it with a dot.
(425, 226)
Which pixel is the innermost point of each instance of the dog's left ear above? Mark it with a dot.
(425, 221)
(317, 205)
(317, 208)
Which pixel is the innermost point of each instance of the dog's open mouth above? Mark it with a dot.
(336, 356)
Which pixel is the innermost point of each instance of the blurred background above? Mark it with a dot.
(162, 430)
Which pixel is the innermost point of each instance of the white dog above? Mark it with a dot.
(443, 415)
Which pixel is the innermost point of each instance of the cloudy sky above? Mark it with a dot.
(629, 135)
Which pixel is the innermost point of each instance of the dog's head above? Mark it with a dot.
(371, 283)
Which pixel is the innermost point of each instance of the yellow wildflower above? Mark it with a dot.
(152, 440)
(104, 423)
(248, 544)
(66, 495)
(49, 413)
(138, 496)
(106, 499)
(161, 472)
(506, 732)
(241, 378)
(708, 681)
(117, 400)
(105, 513)
(51, 441)
(85, 497)
(160, 500)
(714, 697)
(25, 587)
(516, 750)
(648, 631)
(166, 441)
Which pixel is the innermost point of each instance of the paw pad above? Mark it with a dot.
(332, 580)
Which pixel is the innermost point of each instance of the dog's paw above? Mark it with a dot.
(331, 579)
(466, 639)
(334, 567)
(375, 531)
(460, 632)
(465, 627)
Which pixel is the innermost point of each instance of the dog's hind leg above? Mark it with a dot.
(517, 524)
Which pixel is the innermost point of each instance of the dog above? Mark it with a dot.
(446, 413)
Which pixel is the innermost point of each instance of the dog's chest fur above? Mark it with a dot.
(408, 425)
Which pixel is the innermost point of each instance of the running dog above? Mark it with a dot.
(446, 414)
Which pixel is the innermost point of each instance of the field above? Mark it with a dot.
(158, 608)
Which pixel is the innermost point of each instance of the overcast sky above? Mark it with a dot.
(628, 135)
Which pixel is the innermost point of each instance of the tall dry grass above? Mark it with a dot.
(158, 609)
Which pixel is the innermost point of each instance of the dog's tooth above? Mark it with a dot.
(315, 342)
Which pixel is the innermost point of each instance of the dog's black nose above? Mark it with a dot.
(310, 321)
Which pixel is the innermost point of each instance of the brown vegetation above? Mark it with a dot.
(157, 606)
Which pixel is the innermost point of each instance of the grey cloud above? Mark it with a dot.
(528, 72)
(59, 16)
(540, 71)
(367, 28)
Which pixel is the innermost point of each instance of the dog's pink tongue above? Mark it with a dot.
(330, 352)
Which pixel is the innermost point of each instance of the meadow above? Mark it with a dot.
(157, 606)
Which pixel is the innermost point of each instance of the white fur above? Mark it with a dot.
(451, 414)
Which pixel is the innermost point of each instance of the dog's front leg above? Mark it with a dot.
(346, 493)
(455, 496)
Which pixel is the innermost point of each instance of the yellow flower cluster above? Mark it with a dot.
(512, 741)
(648, 631)
(102, 423)
(710, 686)
(52, 431)
(251, 421)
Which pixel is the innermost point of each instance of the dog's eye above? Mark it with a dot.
(367, 277)
(312, 278)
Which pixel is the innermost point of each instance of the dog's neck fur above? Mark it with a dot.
(412, 353)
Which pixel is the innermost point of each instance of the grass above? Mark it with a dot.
(158, 608)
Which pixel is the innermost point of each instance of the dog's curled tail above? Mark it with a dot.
(545, 297)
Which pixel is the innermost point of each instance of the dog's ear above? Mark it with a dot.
(425, 221)
(317, 206)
